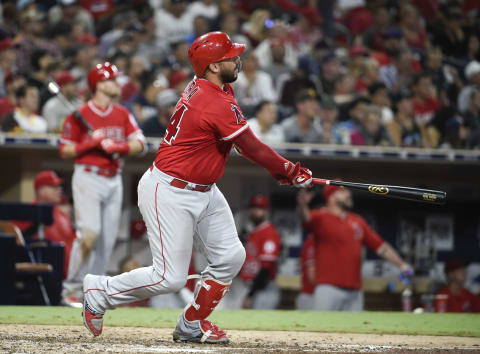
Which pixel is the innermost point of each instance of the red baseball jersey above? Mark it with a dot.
(423, 112)
(338, 247)
(307, 258)
(263, 250)
(466, 301)
(197, 140)
(116, 122)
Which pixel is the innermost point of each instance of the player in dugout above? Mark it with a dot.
(339, 236)
(179, 199)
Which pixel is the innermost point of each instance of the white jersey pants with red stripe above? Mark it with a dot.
(98, 207)
(173, 217)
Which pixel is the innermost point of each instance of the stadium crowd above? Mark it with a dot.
(354, 72)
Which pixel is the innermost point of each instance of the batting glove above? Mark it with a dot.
(112, 147)
(299, 177)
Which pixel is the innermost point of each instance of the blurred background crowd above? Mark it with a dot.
(354, 72)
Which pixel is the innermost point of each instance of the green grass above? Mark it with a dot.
(343, 322)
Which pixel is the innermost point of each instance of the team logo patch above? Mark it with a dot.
(238, 114)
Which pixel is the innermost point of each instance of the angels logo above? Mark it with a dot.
(238, 114)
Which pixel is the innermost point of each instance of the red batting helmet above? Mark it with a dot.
(101, 72)
(210, 48)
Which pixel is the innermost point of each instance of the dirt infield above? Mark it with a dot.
(75, 339)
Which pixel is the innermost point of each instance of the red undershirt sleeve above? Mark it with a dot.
(261, 154)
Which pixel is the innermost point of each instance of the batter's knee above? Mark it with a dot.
(170, 282)
(237, 258)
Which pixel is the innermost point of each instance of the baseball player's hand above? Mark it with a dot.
(299, 176)
(112, 147)
(406, 270)
(97, 136)
(92, 142)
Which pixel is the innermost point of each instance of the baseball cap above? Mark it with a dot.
(65, 78)
(472, 69)
(47, 178)
(306, 94)
(358, 50)
(454, 264)
(259, 201)
(328, 190)
(177, 77)
(5, 44)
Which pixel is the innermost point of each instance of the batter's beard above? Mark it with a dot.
(346, 204)
(228, 77)
(257, 220)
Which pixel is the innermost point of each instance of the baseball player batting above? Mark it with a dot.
(96, 182)
(179, 200)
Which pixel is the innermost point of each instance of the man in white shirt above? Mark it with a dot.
(24, 119)
(264, 124)
(55, 110)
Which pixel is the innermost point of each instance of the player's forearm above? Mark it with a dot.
(304, 213)
(135, 147)
(388, 253)
(261, 154)
(67, 151)
(311, 272)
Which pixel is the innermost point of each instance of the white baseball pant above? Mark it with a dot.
(98, 205)
(173, 217)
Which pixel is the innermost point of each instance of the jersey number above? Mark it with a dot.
(174, 125)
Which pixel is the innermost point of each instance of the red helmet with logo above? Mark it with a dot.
(210, 48)
(101, 72)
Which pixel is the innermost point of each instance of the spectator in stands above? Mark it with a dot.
(178, 59)
(12, 82)
(179, 80)
(410, 23)
(55, 109)
(369, 75)
(398, 75)
(230, 24)
(449, 34)
(304, 126)
(277, 65)
(31, 38)
(277, 40)
(8, 57)
(330, 68)
(304, 300)
(343, 86)
(263, 124)
(121, 22)
(358, 56)
(380, 98)
(403, 129)
(148, 46)
(71, 10)
(472, 73)
(144, 106)
(442, 74)
(304, 33)
(83, 58)
(373, 132)
(425, 101)
(201, 25)
(173, 21)
(459, 299)
(348, 131)
(373, 37)
(472, 119)
(262, 252)
(136, 70)
(165, 102)
(393, 44)
(253, 85)
(328, 114)
(24, 119)
(339, 236)
(256, 29)
(48, 189)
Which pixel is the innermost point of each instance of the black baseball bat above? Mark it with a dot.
(399, 192)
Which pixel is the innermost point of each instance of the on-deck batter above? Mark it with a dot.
(179, 200)
(96, 182)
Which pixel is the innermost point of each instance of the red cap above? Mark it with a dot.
(177, 77)
(259, 201)
(47, 178)
(65, 78)
(87, 39)
(5, 44)
(454, 264)
(358, 50)
(328, 190)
